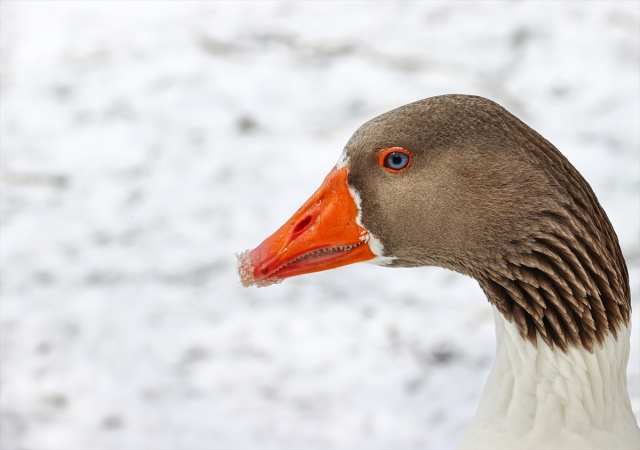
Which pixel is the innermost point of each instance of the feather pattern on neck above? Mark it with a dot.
(567, 281)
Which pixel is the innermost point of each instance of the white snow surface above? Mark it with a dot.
(143, 144)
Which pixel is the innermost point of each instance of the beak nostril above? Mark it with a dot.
(302, 225)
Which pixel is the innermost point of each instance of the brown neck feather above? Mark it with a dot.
(569, 284)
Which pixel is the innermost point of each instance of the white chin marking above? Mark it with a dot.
(378, 249)
(374, 243)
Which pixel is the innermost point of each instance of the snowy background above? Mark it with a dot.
(143, 144)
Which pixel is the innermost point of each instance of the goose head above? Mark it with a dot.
(458, 182)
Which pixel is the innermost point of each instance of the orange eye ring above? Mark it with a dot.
(395, 159)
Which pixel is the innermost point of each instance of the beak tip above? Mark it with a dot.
(249, 269)
(245, 268)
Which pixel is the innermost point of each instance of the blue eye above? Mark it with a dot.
(395, 159)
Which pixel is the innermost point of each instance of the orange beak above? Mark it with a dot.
(321, 235)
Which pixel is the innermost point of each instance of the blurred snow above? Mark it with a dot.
(144, 143)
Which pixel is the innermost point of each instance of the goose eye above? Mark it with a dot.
(395, 159)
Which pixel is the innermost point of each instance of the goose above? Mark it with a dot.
(458, 182)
